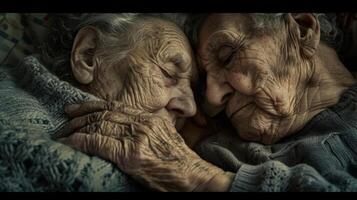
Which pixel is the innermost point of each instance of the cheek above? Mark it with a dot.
(241, 82)
(248, 77)
(267, 49)
(158, 92)
(107, 83)
(253, 124)
(144, 92)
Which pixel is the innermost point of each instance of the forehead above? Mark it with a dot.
(159, 35)
(160, 28)
(235, 22)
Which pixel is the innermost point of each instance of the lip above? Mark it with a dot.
(239, 109)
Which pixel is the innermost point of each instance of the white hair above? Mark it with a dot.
(113, 29)
(330, 33)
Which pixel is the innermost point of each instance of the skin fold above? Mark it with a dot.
(269, 82)
(155, 75)
(146, 98)
(142, 144)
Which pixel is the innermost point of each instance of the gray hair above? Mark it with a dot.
(113, 29)
(330, 33)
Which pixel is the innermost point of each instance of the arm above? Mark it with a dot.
(142, 145)
(274, 176)
(152, 152)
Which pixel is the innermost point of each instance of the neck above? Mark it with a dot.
(329, 80)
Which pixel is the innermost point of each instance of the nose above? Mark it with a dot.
(218, 92)
(183, 106)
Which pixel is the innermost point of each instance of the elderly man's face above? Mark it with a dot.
(154, 76)
(252, 74)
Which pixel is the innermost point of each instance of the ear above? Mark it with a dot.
(82, 56)
(308, 31)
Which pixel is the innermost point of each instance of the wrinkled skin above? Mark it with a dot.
(154, 76)
(270, 84)
(147, 95)
(143, 145)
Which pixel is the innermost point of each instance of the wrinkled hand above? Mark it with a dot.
(143, 145)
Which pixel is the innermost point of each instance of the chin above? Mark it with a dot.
(253, 133)
(257, 136)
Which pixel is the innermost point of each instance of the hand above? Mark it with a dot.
(142, 145)
(197, 129)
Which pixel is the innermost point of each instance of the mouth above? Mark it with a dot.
(239, 109)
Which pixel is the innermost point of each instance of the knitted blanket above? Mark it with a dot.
(32, 104)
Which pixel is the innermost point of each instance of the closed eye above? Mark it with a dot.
(180, 62)
(171, 78)
(225, 55)
(229, 59)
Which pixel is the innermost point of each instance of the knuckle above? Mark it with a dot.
(92, 118)
(155, 120)
(90, 128)
(120, 128)
(110, 105)
(102, 127)
(142, 119)
(113, 106)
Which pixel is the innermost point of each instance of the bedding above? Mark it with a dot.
(32, 104)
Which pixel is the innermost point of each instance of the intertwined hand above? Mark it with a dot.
(142, 144)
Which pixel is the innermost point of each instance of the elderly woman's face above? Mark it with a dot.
(248, 75)
(154, 76)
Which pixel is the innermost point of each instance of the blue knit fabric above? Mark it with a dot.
(320, 157)
(32, 104)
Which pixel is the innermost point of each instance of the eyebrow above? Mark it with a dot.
(211, 43)
(178, 60)
(212, 39)
(236, 39)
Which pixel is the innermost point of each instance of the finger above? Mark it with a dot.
(93, 121)
(107, 128)
(80, 122)
(76, 110)
(97, 145)
(159, 131)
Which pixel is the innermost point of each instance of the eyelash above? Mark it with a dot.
(228, 60)
(237, 46)
(177, 62)
(172, 78)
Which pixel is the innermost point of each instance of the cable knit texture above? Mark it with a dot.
(32, 104)
(320, 157)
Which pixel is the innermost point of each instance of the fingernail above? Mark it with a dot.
(71, 108)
